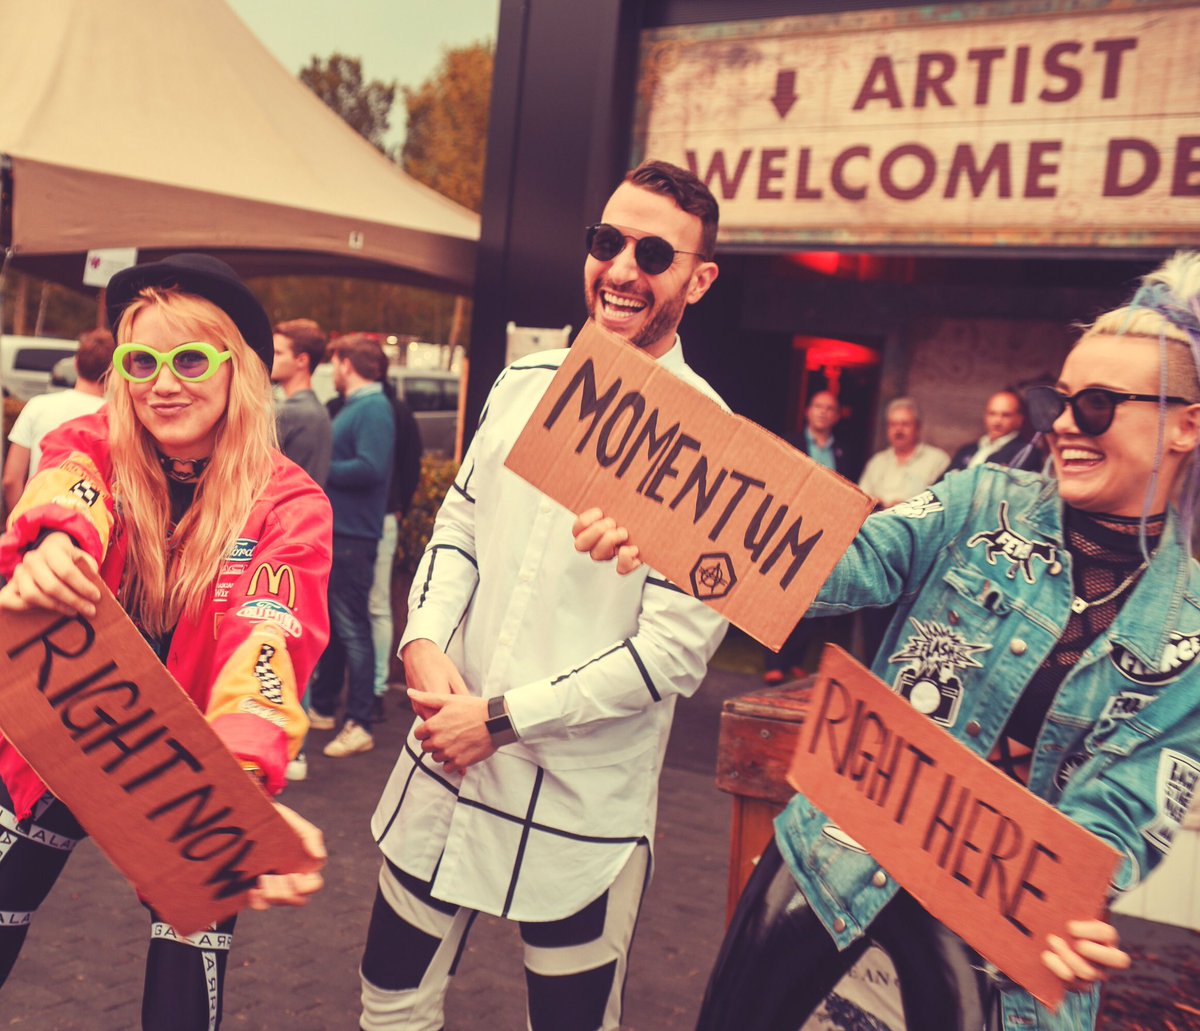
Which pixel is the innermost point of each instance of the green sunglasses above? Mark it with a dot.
(194, 362)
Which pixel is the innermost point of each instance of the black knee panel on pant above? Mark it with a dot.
(569, 1002)
(397, 954)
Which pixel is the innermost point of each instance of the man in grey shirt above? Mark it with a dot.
(300, 418)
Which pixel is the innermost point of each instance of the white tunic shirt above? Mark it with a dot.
(590, 664)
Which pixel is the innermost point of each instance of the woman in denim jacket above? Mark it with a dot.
(1051, 625)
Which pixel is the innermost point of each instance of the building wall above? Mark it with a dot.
(955, 365)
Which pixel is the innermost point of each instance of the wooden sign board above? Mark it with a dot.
(729, 512)
(91, 709)
(993, 862)
(1015, 124)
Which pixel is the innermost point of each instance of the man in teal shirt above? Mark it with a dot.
(359, 474)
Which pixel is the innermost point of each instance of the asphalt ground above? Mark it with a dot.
(296, 970)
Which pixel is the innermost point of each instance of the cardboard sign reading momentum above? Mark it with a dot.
(728, 511)
(993, 862)
(91, 709)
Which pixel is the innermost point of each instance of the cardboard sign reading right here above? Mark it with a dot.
(993, 862)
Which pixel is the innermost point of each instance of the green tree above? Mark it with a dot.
(364, 106)
(447, 119)
(446, 141)
(447, 125)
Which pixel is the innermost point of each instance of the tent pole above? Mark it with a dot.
(3, 435)
(6, 243)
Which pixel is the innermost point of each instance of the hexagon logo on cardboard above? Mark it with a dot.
(713, 576)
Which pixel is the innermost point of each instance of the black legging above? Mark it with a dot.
(777, 962)
(184, 979)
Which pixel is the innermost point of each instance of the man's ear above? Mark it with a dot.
(1187, 434)
(702, 278)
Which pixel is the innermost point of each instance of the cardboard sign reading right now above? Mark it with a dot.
(727, 510)
(108, 730)
(993, 862)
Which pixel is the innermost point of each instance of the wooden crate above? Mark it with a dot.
(758, 735)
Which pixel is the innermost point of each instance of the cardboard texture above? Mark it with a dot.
(729, 512)
(101, 721)
(993, 862)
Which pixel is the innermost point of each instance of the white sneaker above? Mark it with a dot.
(352, 739)
(297, 769)
(319, 721)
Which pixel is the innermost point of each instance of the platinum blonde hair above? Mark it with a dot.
(1166, 308)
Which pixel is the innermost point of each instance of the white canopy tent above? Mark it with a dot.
(165, 125)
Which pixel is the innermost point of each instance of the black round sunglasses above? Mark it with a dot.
(1092, 407)
(652, 253)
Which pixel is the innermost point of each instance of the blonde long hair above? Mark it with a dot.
(164, 581)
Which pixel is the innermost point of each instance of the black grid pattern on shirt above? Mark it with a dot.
(525, 820)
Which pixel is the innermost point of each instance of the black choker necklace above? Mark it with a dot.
(183, 470)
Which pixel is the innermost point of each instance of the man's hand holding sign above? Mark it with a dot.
(103, 724)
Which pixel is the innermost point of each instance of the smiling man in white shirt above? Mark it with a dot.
(528, 788)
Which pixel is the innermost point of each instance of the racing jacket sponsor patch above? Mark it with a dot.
(267, 610)
(86, 491)
(270, 579)
(268, 680)
(242, 550)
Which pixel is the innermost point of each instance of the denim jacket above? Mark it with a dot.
(978, 567)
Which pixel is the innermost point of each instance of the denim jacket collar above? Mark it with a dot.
(1152, 613)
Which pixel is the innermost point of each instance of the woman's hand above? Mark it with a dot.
(52, 576)
(604, 540)
(292, 889)
(1090, 954)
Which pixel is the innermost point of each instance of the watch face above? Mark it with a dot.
(499, 725)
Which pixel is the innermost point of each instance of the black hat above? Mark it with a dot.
(204, 276)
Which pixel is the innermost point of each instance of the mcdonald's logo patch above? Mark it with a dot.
(274, 582)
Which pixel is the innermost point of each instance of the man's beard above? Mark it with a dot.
(664, 318)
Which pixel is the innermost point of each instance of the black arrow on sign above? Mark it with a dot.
(785, 92)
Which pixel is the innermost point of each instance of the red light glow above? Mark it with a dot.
(820, 353)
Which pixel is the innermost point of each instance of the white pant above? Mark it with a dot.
(571, 970)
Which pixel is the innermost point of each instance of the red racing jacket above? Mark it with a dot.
(245, 659)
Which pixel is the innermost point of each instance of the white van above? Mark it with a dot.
(27, 362)
(432, 394)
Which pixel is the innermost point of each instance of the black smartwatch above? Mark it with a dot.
(498, 723)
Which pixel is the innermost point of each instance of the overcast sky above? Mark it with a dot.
(395, 39)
